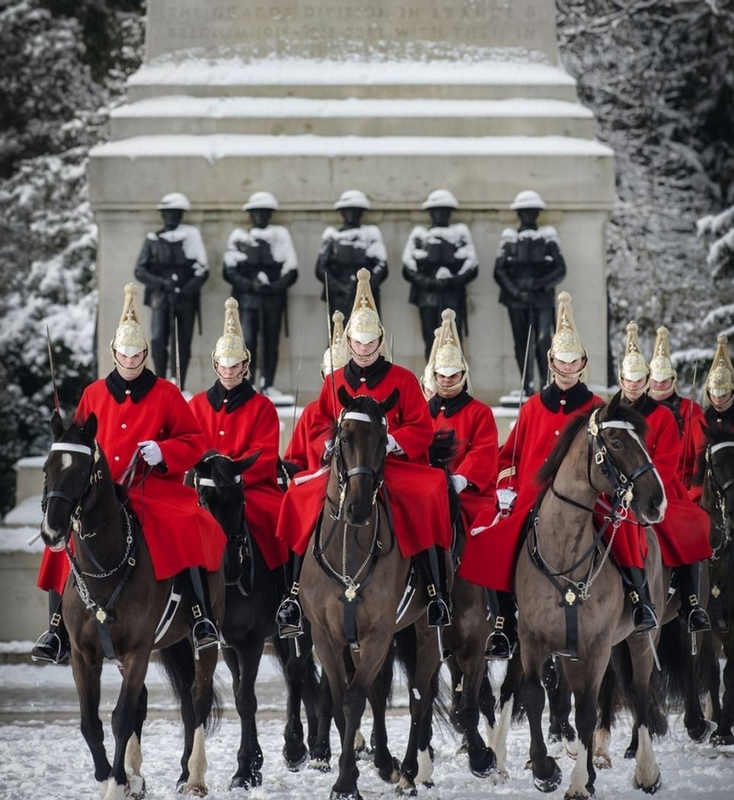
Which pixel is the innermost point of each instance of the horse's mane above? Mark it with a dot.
(367, 405)
(714, 435)
(616, 410)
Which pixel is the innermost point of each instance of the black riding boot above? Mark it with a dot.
(501, 643)
(53, 644)
(203, 631)
(695, 617)
(289, 616)
(643, 611)
(433, 564)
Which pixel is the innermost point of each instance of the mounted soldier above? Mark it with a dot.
(473, 467)
(238, 422)
(417, 492)
(261, 264)
(719, 411)
(150, 438)
(684, 532)
(528, 268)
(489, 557)
(345, 251)
(439, 262)
(173, 267)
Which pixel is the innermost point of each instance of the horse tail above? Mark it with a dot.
(178, 663)
(621, 664)
(678, 667)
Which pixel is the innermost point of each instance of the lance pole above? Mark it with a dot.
(53, 375)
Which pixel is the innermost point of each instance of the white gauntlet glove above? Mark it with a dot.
(505, 500)
(443, 273)
(393, 446)
(460, 483)
(151, 452)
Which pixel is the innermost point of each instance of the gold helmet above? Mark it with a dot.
(230, 349)
(364, 322)
(336, 355)
(448, 358)
(129, 337)
(566, 343)
(720, 380)
(661, 367)
(634, 367)
(427, 379)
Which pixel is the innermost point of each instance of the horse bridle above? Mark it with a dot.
(719, 493)
(345, 474)
(241, 539)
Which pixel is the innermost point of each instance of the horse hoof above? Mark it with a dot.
(293, 763)
(657, 783)
(484, 764)
(319, 765)
(630, 752)
(602, 761)
(701, 731)
(551, 783)
(136, 786)
(353, 795)
(721, 739)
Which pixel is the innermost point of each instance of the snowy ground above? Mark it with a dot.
(42, 752)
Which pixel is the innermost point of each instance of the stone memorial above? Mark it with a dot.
(306, 99)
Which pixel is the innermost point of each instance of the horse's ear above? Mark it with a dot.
(344, 397)
(245, 463)
(392, 399)
(57, 425)
(90, 426)
(613, 405)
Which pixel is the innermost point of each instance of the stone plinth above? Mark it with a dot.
(308, 99)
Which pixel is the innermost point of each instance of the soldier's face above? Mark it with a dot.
(260, 217)
(633, 389)
(440, 216)
(231, 376)
(661, 390)
(566, 373)
(528, 216)
(721, 402)
(448, 385)
(352, 216)
(365, 354)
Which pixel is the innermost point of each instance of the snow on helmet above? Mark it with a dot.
(261, 200)
(174, 200)
(440, 198)
(527, 199)
(353, 198)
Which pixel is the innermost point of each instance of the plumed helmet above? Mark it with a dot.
(174, 200)
(720, 380)
(129, 337)
(634, 367)
(448, 358)
(364, 323)
(353, 198)
(661, 367)
(230, 349)
(566, 344)
(440, 198)
(527, 198)
(337, 355)
(261, 200)
(427, 379)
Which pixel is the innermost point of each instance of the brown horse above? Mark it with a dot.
(570, 597)
(718, 500)
(114, 607)
(351, 593)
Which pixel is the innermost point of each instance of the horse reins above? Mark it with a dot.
(575, 592)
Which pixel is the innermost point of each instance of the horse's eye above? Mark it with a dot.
(615, 444)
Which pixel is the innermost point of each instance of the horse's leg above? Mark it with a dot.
(546, 773)
(133, 754)
(386, 764)
(647, 773)
(320, 755)
(473, 667)
(419, 651)
(243, 660)
(134, 667)
(509, 689)
(723, 735)
(559, 706)
(203, 701)
(87, 671)
(696, 724)
(603, 733)
(584, 679)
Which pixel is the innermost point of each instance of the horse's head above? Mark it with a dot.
(71, 470)
(360, 447)
(718, 485)
(618, 458)
(218, 481)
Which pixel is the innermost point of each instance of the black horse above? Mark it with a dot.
(253, 593)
